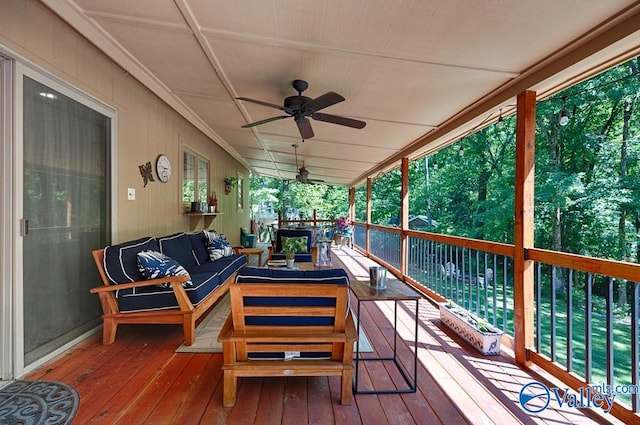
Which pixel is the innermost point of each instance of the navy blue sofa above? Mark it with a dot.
(127, 297)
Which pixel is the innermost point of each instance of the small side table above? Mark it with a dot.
(251, 251)
(395, 291)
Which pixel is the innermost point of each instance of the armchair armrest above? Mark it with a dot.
(139, 284)
(107, 298)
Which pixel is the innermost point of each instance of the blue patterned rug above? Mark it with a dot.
(37, 403)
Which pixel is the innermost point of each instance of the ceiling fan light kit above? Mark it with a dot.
(301, 108)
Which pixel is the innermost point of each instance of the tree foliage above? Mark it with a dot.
(587, 181)
(328, 201)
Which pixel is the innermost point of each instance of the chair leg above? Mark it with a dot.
(189, 329)
(346, 389)
(229, 388)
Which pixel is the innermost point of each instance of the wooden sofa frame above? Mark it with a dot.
(238, 339)
(187, 314)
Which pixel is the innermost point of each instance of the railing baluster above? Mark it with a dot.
(461, 256)
(494, 289)
(438, 247)
(570, 322)
(482, 294)
(635, 356)
(588, 361)
(609, 325)
(457, 273)
(504, 293)
(552, 331)
(538, 289)
(451, 275)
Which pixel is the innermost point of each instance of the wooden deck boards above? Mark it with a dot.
(140, 379)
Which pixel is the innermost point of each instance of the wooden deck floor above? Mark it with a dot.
(140, 379)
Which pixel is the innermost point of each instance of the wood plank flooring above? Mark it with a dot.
(140, 379)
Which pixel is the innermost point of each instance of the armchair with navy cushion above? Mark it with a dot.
(301, 239)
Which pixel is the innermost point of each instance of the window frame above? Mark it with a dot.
(197, 193)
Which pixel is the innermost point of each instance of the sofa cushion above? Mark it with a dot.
(199, 245)
(154, 265)
(178, 247)
(249, 275)
(218, 246)
(297, 244)
(293, 233)
(225, 266)
(266, 275)
(300, 258)
(152, 298)
(121, 261)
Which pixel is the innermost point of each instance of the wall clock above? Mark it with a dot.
(163, 168)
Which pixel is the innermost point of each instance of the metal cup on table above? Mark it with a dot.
(377, 277)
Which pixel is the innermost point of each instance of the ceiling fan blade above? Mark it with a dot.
(253, 124)
(321, 102)
(304, 126)
(260, 102)
(335, 119)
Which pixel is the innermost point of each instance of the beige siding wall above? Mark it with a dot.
(146, 125)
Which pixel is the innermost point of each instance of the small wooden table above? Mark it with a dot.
(394, 291)
(251, 251)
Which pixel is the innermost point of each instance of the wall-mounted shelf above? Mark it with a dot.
(194, 219)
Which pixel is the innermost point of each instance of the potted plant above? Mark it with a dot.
(289, 255)
(229, 183)
(483, 336)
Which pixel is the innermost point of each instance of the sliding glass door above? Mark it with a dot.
(66, 144)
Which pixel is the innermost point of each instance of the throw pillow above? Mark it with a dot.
(218, 246)
(155, 265)
(297, 244)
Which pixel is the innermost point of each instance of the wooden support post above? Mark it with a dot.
(368, 247)
(352, 203)
(523, 268)
(404, 215)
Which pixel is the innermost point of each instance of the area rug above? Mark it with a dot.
(206, 340)
(37, 403)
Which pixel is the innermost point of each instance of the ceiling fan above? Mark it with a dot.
(303, 173)
(302, 107)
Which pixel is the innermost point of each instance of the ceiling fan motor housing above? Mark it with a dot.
(294, 103)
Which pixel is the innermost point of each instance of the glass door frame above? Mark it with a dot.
(23, 70)
(6, 216)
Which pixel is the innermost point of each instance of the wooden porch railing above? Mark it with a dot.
(575, 339)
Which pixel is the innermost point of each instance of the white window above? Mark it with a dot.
(195, 179)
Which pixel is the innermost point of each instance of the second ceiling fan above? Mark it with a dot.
(303, 173)
(301, 108)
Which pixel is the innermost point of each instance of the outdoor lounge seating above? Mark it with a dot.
(248, 240)
(288, 323)
(173, 279)
(303, 256)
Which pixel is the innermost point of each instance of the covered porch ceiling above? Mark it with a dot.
(419, 73)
